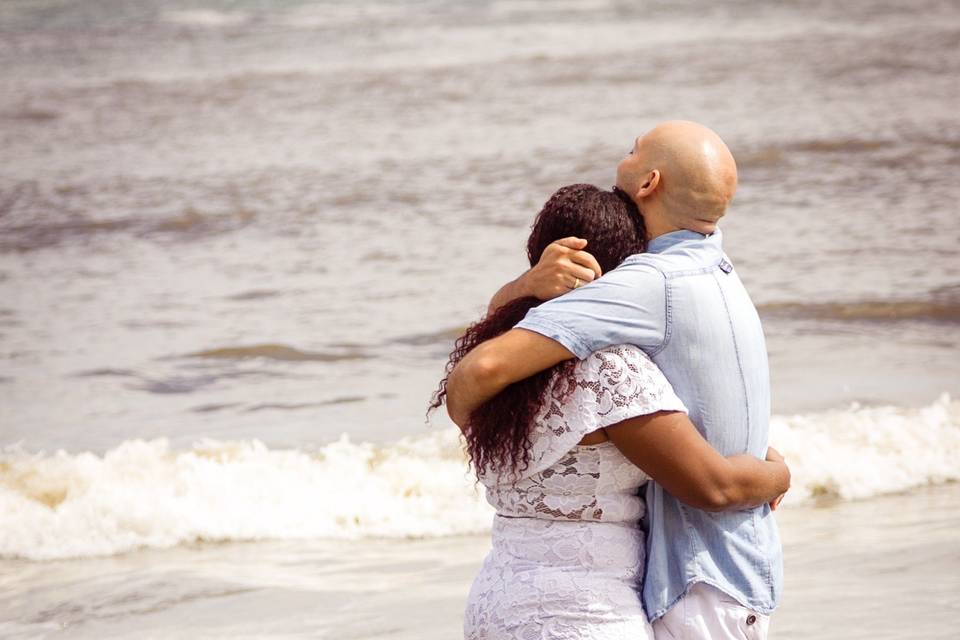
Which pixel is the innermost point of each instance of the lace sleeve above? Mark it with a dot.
(607, 387)
(618, 383)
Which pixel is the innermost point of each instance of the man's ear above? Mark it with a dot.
(648, 184)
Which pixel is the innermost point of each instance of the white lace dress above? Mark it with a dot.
(568, 554)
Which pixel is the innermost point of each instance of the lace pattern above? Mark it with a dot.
(559, 580)
(567, 553)
(567, 481)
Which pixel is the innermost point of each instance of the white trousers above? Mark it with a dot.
(706, 613)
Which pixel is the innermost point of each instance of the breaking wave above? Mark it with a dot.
(145, 494)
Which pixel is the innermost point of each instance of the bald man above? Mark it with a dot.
(709, 575)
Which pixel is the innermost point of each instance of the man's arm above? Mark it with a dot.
(496, 364)
(668, 447)
(562, 264)
(625, 306)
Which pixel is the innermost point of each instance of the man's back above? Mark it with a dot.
(715, 356)
(683, 303)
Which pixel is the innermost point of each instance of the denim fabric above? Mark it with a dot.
(683, 303)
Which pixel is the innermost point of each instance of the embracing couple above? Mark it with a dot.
(615, 404)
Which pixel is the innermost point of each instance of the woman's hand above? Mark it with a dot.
(563, 266)
(774, 456)
(669, 448)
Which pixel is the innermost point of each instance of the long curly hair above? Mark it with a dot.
(497, 434)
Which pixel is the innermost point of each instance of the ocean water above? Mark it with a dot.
(147, 494)
(881, 569)
(237, 240)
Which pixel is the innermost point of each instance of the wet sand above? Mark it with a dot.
(888, 567)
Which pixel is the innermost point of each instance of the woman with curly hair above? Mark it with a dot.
(568, 552)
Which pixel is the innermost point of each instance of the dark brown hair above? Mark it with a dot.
(498, 432)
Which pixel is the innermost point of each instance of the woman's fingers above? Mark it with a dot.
(775, 456)
(584, 275)
(563, 266)
(776, 502)
(571, 243)
(587, 261)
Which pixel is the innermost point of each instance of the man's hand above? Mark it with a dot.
(563, 266)
(774, 456)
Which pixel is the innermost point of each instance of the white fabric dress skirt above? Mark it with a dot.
(568, 553)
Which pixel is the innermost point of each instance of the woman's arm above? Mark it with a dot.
(496, 364)
(668, 447)
(562, 266)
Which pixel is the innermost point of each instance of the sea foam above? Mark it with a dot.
(143, 493)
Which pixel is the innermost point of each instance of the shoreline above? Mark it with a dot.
(887, 567)
(151, 494)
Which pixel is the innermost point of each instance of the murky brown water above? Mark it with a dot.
(236, 220)
(222, 219)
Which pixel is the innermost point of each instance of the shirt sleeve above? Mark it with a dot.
(624, 306)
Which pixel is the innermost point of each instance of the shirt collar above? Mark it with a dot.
(667, 240)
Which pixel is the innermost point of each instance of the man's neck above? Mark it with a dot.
(655, 229)
(659, 225)
(654, 220)
(670, 239)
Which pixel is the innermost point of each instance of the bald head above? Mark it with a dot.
(681, 175)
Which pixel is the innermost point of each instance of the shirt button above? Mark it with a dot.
(751, 619)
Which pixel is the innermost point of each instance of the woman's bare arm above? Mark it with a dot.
(563, 265)
(668, 447)
(495, 364)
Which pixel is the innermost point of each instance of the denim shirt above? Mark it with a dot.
(683, 303)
